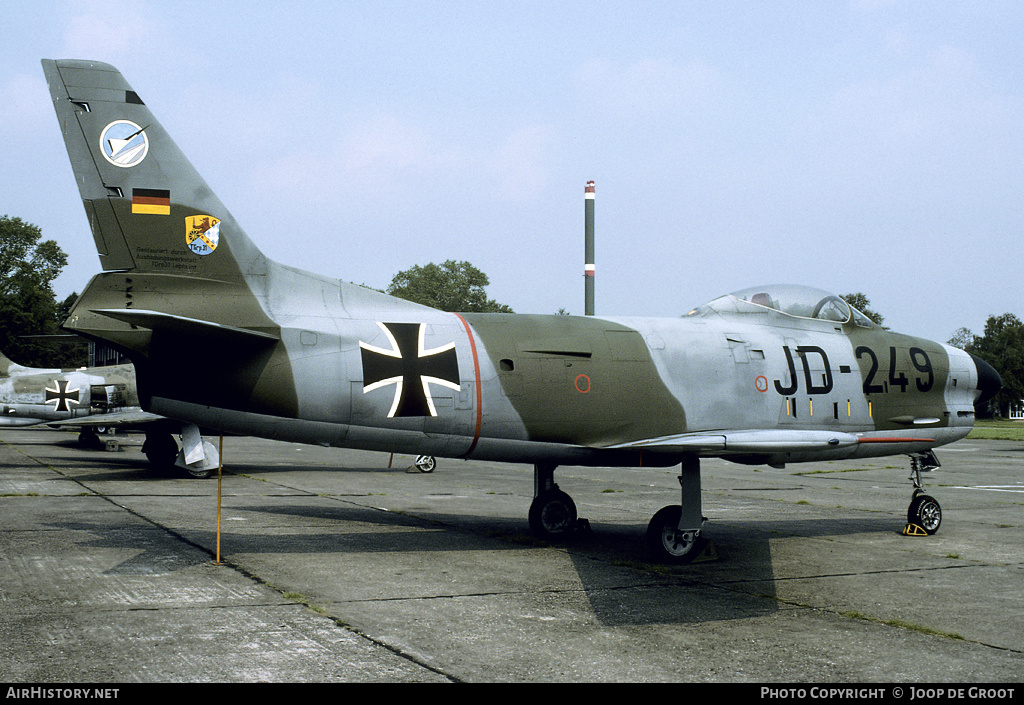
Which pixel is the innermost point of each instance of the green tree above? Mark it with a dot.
(1002, 346)
(962, 338)
(28, 309)
(450, 286)
(860, 302)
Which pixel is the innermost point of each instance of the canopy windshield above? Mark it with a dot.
(792, 300)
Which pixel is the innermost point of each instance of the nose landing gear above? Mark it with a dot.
(924, 516)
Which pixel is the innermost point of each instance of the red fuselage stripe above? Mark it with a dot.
(479, 392)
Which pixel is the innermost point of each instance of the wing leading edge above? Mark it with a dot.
(763, 442)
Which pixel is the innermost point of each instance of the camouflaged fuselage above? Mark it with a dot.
(224, 338)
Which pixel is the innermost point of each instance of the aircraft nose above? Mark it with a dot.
(989, 381)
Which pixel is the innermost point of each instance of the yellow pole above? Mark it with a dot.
(220, 464)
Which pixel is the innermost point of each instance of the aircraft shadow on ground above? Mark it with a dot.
(154, 551)
(622, 587)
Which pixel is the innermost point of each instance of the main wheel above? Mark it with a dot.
(552, 514)
(425, 463)
(88, 440)
(161, 449)
(925, 512)
(668, 543)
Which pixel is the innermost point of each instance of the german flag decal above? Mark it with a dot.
(151, 201)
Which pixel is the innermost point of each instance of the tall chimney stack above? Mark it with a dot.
(588, 266)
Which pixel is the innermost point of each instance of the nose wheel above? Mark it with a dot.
(675, 534)
(425, 463)
(924, 513)
(924, 516)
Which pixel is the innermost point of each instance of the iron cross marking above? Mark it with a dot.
(62, 397)
(410, 367)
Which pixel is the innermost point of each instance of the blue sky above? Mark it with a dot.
(861, 145)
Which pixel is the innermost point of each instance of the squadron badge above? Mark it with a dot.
(124, 143)
(202, 233)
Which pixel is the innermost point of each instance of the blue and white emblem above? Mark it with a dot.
(124, 143)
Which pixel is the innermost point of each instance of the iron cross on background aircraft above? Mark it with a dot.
(770, 375)
(32, 395)
(62, 397)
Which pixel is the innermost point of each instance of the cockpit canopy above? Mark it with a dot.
(788, 299)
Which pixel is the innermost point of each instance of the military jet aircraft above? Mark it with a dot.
(31, 395)
(226, 339)
(89, 399)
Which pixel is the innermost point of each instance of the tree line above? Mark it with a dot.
(30, 315)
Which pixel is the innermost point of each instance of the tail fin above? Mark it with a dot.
(7, 366)
(149, 209)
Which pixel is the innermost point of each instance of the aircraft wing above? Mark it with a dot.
(133, 416)
(772, 443)
(753, 441)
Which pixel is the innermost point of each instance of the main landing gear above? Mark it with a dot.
(160, 448)
(674, 535)
(676, 532)
(198, 458)
(924, 514)
(552, 512)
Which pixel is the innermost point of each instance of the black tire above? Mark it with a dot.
(425, 463)
(88, 440)
(669, 545)
(552, 514)
(925, 512)
(161, 450)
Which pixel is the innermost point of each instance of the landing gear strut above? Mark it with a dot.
(924, 514)
(198, 458)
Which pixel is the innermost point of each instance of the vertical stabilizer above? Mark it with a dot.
(7, 366)
(148, 208)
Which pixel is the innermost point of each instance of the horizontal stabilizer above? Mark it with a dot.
(180, 325)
